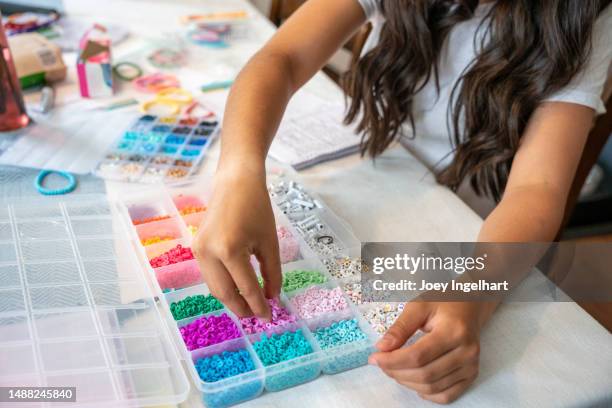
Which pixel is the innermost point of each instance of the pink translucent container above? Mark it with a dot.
(179, 275)
(184, 201)
(194, 220)
(168, 228)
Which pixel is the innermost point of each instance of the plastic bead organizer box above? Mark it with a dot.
(79, 307)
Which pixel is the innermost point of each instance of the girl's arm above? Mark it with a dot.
(543, 169)
(442, 364)
(239, 220)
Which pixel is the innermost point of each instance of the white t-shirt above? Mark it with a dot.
(431, 142)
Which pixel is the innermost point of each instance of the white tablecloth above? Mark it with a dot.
(533, 354)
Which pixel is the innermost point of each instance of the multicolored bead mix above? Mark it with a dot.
(383, 316)
(282, 347)
(339, 333)
(194, 305)
(344, 267)
(288, 245)
(172, 256)
(324, 245)
(353, 292)
(224, 365)
(298, 279)
(316, 301)
(280, 317)
(150, 219)
(209, 330)
(155, 240)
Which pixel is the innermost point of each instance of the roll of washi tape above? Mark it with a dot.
(156, 82)
(127, 71)
(38, 183)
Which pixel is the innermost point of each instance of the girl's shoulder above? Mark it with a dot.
(590, 86)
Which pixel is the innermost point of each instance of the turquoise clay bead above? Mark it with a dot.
(226, 364)
(284, 347)
(281, 347)
(339, 333)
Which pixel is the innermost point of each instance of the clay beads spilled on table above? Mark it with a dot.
(155, 240)
(383, 316)
(172, 256)
(194, 305)
(339, 333)
(150, 219)
(344, 267)
(209, 330)
(297, 279)
(224, 365)
(288, 245)
(280, 317)
(281, 347)
(316, 301)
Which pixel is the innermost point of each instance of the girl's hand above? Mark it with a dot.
(239, 222)
(443, 363)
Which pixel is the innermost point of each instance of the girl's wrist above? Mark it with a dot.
(241, 166)
(485, 310)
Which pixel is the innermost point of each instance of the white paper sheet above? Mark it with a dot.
(305, 140)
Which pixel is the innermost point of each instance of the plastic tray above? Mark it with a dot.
(158, 149)
(166, 203)
(76, 311)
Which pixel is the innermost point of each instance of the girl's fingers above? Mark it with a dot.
(244, 276)
(426, 349)
(222, 286)
(460, 374)
(269, 262)
(412, 318)
(435, 370)
(450, 394)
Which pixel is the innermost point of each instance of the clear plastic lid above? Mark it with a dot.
(75, 309)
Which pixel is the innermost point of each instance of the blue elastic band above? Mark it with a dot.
(42, 190)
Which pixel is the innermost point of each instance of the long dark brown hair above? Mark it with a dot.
(529, 50)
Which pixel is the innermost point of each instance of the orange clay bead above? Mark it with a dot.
(150, 219)
(190, 209)
(155, 240)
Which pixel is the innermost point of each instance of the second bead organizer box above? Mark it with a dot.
(315, 328)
